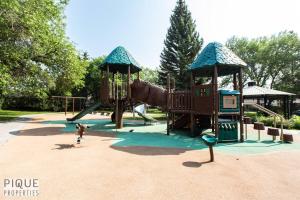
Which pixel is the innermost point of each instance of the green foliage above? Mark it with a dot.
(252, 115)
(149, 75)
(36, 57)
(274, 59)
(92, 79)
(295, 122)
(182, 44)
(269, 121)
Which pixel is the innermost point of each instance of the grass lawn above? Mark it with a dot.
(7, 115)
(153, 112)
(157, 116)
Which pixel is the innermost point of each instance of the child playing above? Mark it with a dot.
(81, 130)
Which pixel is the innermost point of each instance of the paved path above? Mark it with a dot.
(11, 128)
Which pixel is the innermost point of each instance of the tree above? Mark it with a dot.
(251, 52)
(149, 75)
(182, 44)
(273, 61)
(36, 57)
(282, 56)
(92, 79)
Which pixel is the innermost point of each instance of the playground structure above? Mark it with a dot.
(203, 106)
(204, 103)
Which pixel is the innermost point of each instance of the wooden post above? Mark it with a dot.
(168, 106)
(216, 105)
(246, 131)
(113, 93)
(121, 87)
(192, 104)
(128, 84)
(285, 106)
(211, 152)
(66, 105)
(117, 105)
(107, 81)
(138, 75)
(73, 104)
(234, 82)
(241, 105)
(101, 82)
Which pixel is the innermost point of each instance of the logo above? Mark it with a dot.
(20, 187)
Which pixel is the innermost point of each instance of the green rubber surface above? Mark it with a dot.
(135, 133)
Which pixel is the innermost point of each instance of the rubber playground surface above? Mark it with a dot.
(136, 133)
(142, 162)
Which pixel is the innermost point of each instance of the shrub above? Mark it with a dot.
(295, 122)
(269, 121)
(252, 115)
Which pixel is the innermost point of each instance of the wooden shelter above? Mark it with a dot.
(116, 79)
(202, 101)
(254, 92)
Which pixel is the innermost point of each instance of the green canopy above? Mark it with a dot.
(119, 60)
(216, 54)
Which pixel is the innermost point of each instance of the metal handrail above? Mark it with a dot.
(270, 112)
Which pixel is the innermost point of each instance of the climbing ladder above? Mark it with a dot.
(269, 112)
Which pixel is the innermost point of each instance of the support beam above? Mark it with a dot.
(265, 101)
(216, 100)
(128, 84)
(117, 106)
(73, 105)
(168, 106)
(192, 82)
(241, 105)
(66, 105)
(113, 89)
(101, 82)
(285, 106)
(234, 82)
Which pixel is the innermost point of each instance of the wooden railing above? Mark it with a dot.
(181, 100)
(121, 90)
(269, 112)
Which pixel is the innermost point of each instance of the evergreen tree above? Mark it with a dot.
(182, 44)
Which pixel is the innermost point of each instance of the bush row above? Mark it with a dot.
(292, 123)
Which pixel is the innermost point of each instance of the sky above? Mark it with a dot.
(98, 26)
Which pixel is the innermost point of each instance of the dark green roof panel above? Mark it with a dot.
(119, 59)
(217, 54)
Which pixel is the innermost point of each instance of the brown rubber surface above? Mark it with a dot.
(97, 170)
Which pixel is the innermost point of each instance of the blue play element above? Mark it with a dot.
(209, 140)
(119, 60)
(229, 101)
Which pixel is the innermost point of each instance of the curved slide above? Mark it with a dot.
(85, 111)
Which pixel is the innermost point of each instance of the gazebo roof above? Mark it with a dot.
(217, 54)
(119, 59)
(256, 91)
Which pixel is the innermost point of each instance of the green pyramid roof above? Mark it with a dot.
(217, 54)
(119, 59)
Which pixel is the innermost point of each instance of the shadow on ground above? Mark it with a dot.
(65, 146)
(149, 151)
(136, 138)
(194, 164)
